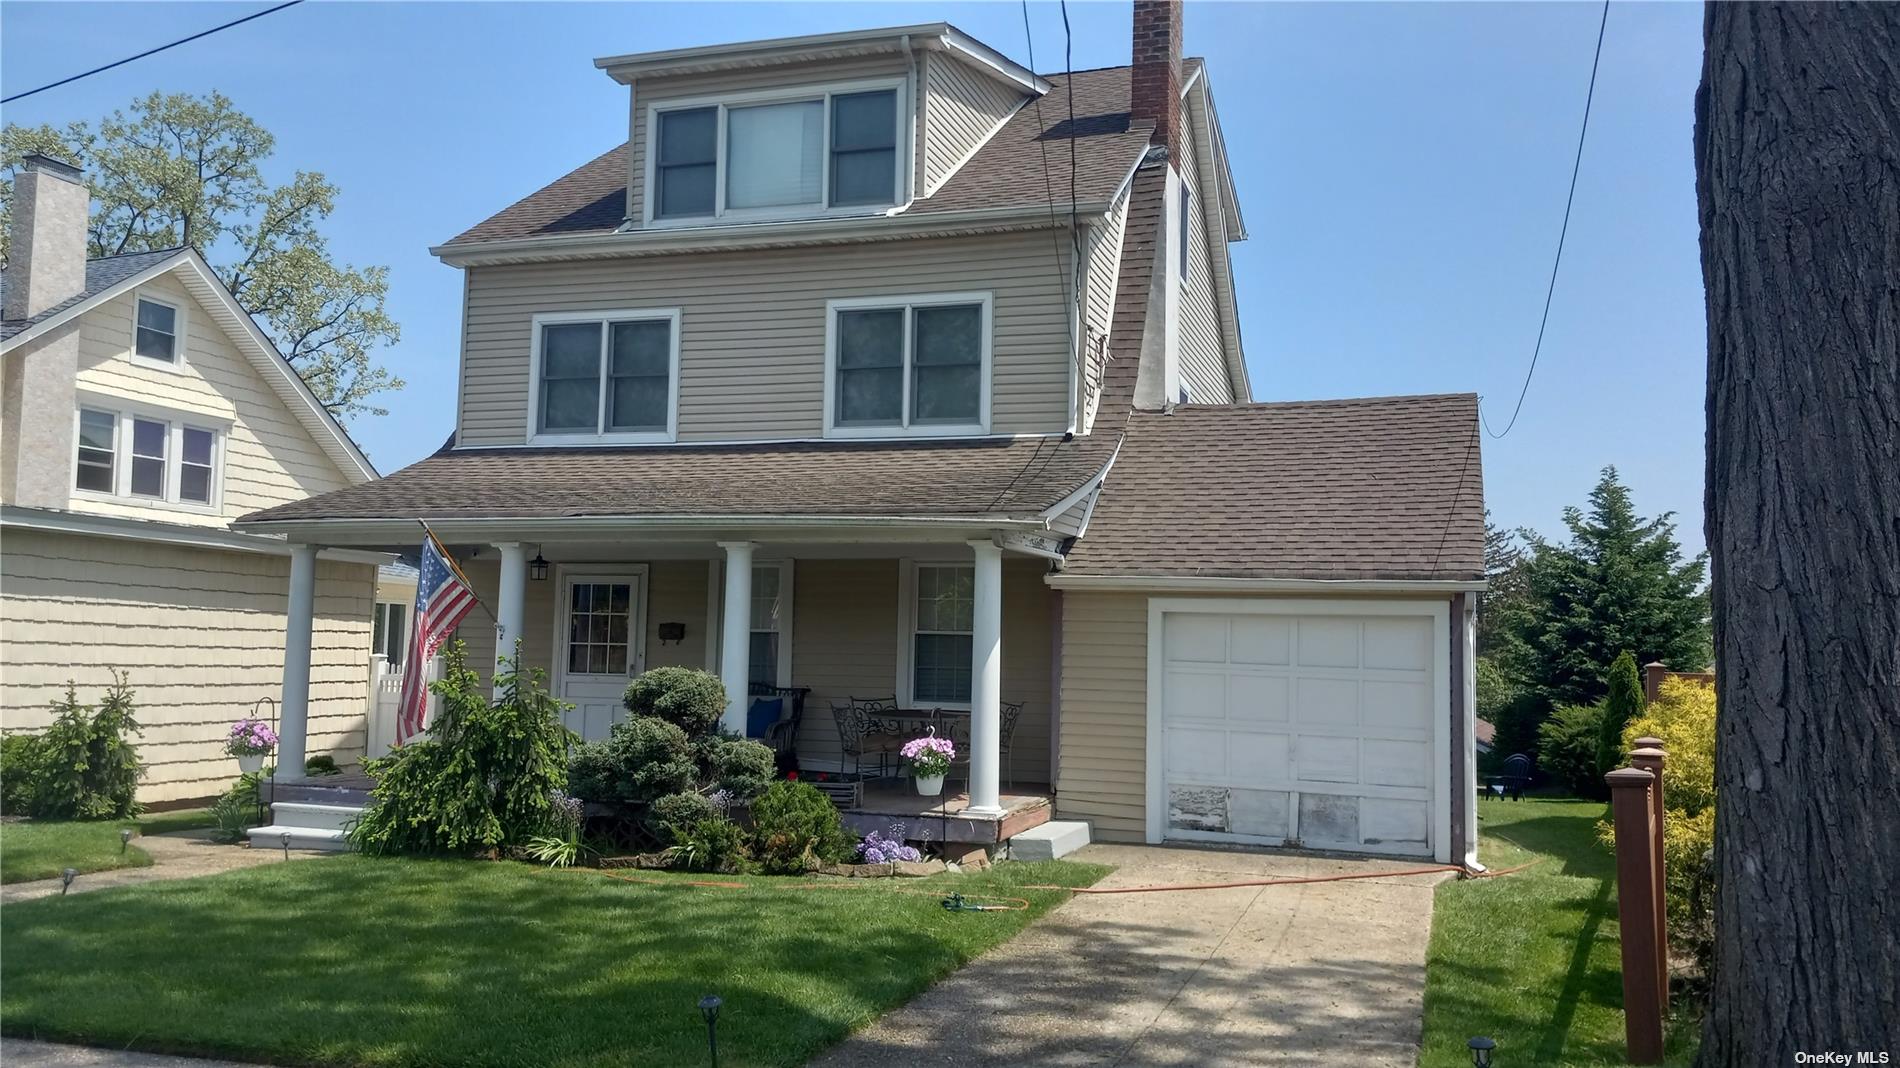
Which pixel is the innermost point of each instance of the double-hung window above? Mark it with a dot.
(942, 618)
(918, 365)
(771, 619)
(389, 631)
(145, 455)
(155, 332)
(610, 376)
(776, 154)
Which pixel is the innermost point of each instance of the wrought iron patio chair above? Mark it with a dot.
(861, 732)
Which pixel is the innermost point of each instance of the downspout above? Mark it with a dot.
(916, 112)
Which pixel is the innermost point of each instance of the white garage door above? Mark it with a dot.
(1303, 729)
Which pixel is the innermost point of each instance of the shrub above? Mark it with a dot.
(1683, 716)
(742, 768)
(713, 844)
(235, 810)
(795, 828)
(84, 766)
(1567, 749)
(674, 815)
(19, 771)
(484, 777)
(690, 700)
(322, 764)
(1623, 704)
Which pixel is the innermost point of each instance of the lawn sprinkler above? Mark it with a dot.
(66, 878)
(709, 1008)
(125, 839)
(956, 903)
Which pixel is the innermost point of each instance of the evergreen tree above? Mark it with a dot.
(1623, 704)
(1505, 585)
(1618, 585)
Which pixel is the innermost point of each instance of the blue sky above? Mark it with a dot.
(1401, 168)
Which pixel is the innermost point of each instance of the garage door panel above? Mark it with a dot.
(1329, 820)
(1401, 705)
(1197, 754)
(1323, 759)
(1257, 758)
(1257, 698)
(1261, 813)
(1400, 644)
(1329, 701)
(1392, 763)
(1266, 640)
(1328, 642)
(1384, 822)
(1195, 694)
(1193, 637)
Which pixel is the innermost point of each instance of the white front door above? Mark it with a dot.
(600, 646)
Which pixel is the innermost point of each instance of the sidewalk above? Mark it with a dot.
(178, 855)
(20, 1053)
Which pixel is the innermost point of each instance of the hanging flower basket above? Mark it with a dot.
(930, 758)
(251, 740)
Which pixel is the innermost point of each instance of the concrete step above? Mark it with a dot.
(272, 837)
(1048, 841)
(314, 816)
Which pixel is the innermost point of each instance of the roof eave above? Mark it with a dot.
(1063, 580)
(893, 40)
(359, 530)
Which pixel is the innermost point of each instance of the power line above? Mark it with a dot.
(1575, 166)
(151, 51)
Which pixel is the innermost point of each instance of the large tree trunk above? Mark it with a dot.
(1798, 179)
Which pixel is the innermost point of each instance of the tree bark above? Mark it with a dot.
(1798, 181)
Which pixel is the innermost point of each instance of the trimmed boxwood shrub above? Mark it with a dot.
(675, 814)
(690, 700)
(795, 828)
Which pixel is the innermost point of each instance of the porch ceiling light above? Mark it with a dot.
(1481, 1048)
(538, 567)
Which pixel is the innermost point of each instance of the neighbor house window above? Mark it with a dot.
(145, 455)
(918, 364)
(610, 376)
(156, 331)
(389, 632)
(940, 637)
(768, 623)
(800, 152)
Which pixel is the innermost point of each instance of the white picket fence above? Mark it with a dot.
(385, 694)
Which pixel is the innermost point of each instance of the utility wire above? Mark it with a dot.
(151, 51)
(1576, 166)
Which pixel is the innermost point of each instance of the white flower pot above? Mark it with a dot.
(251, 763)
(929, 785)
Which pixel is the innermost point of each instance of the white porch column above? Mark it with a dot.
(510, 597)
(294, 721)
(986, 682)
(735, 646)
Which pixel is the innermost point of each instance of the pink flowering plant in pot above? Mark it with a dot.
(251, 740)
(929, 758)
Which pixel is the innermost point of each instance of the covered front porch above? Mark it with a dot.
(956, 633)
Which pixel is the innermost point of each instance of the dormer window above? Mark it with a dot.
(777, 154)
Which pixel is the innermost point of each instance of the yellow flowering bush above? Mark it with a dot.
(1683, 716)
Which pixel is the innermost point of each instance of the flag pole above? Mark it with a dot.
(457, 568)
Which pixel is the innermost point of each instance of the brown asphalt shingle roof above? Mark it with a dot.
(988, 477)
(1374, 488)
(1008, 171)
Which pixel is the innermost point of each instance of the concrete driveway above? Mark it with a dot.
(1320, 973)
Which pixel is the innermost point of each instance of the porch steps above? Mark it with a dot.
(310, 826)
(1049, 841)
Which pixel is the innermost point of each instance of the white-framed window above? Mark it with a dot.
(1187, 229)
(939, 610)
(146, 454)
(769, 657)
(389, 631)
(157, 329)
(777, 153)
(610, 377)
(908, 365)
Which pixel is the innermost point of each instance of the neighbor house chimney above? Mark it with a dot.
(46, 267)
(46, 264)
(1156, 89)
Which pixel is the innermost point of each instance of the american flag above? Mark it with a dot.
(443, 597)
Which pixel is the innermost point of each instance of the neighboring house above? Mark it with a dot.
(143, 412)
(837, 376)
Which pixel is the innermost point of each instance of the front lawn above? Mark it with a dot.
(1532, 959)
(361, 961)
(32, 849)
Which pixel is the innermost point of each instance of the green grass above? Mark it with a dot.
(39, 850)
(361, 961)
(1532, 959)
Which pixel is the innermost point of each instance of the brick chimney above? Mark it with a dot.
(1156, 90)
(46, 264)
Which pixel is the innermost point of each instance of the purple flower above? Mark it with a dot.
(929, 755)
(250, 737)
(879, 848)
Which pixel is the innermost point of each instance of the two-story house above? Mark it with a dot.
(878, 366)
(143, 412)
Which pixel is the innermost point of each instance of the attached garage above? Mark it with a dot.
(1300, 722)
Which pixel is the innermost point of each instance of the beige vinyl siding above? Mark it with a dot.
(268, 457)
(676, 87)
(962, 109)
(1104, 267)
(1104, 723)
(752, 328)
(676, 593)
(200, 633)
(1203, 356)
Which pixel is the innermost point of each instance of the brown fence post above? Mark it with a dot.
(1649, 756)
(1653, 673)
(1636, 912)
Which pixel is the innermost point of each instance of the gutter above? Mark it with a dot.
(45, 520)
(1212, 584)
(478, 528)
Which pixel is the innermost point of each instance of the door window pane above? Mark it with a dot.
(686, 164)
(570, 377)
(194, 465)
(947, 381)
(148, 457)
(871, 366)
(599, 628)
(864, 148)
(98, 447)
(157, 331)
(640, 375)
(774, 154)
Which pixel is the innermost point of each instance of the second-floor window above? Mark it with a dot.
(909, 365)
(146, 456)
(155, 335)
(611, 376)
(785, 155)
